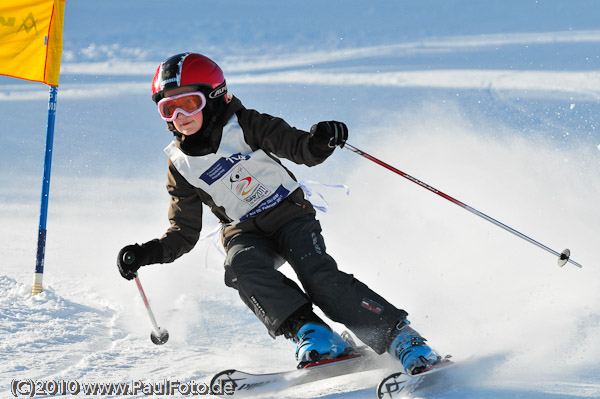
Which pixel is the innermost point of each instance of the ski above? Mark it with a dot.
(248, 385)
(400, 384)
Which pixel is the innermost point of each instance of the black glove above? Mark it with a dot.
(132, 257)
(330, 134)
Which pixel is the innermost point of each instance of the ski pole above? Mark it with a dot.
(563, 257)
(158, 336)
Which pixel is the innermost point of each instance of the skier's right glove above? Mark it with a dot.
(132, 257)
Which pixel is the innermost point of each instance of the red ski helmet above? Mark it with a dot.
(189, 69)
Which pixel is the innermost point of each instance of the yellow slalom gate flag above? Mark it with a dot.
(31, 39)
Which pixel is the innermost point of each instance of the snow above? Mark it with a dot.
(496, 105)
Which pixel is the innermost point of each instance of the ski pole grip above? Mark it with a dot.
(129, 257)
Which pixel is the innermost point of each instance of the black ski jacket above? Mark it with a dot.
(261, 131)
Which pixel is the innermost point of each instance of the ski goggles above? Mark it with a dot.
(189, 104)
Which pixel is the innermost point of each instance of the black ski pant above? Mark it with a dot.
(251, 268)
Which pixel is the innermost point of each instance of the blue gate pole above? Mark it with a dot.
(41, 246)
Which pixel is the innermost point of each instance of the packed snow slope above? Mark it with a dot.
(494, 103)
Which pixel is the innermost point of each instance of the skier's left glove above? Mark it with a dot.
(132, 257)
(330, 134)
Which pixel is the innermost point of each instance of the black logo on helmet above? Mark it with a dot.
(218, 92)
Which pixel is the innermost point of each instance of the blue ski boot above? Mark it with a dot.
(318, 342)
(410, 348)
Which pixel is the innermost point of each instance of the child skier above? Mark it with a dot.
(225, 156)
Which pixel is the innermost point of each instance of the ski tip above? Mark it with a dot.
(222, 375)
(223, 381)
(400, 384)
